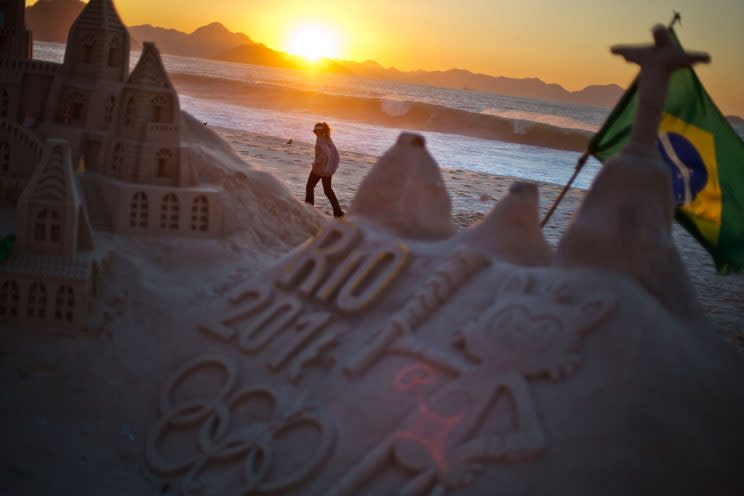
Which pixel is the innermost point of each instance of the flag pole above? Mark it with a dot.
(579, 165)
(581, 162)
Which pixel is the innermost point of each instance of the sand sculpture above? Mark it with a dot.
(390, 354)
(393, 355)
(84, 144)
(123, 129)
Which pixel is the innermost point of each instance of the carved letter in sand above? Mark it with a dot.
(308, 268)
(279, 314)
(329, 266)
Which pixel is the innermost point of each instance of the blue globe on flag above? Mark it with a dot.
(689, 175)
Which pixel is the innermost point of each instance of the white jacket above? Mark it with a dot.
(326, 157)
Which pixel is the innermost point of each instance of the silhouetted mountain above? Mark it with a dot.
(604, 95)
(205, 42)
(260, 54)
(50, 20)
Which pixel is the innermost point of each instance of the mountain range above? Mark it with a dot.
(596, 95)
(205, 42)
(50, 20)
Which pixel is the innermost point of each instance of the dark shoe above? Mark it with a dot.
(340, 214)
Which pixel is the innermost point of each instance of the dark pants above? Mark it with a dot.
(312, 181)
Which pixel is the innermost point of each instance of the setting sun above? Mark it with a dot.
(313, 42)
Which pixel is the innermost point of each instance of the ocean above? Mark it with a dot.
(454, 122)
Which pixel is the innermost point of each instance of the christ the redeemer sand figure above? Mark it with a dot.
(657, 62)
(631, 198)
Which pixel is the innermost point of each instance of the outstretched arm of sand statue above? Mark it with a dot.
(657, 62)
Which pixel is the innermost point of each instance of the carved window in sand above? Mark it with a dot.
(166, 168)
(64, 308)
(200, 214)
(9, 300)
(139, 211)
(169, 212)
(48, 227)
(74, 107)
(89, 49)
(160, 109)
(108, 113)
(117, 160)
(4, 158)
(114, 53)
(4, 103)
(130, 113)
(37, 301)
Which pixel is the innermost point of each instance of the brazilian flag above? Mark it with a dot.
(705, 157)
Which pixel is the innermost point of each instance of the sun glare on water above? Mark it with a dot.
(313, 42)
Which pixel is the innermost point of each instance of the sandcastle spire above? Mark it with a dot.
(405, 192)
(98, 44)
(512, 229)
(150, 71)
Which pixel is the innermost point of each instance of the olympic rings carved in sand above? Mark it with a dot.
(219, 442)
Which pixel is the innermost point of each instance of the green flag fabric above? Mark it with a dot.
(705, 157)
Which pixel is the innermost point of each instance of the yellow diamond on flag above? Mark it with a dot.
(690, 153)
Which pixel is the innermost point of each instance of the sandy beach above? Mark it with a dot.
(473, 195)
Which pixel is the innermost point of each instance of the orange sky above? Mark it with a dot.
(565, 41)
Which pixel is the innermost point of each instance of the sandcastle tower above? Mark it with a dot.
(98, 45)
(49, 277)
(15, 39)
(51, 216)
(86, 93)
(148, 145)
(24, 86)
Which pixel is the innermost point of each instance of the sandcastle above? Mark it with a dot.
(109, 144)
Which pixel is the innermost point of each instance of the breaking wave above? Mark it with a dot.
(388, 112)
(561, 121)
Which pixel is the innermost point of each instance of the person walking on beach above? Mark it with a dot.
(324, 166)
